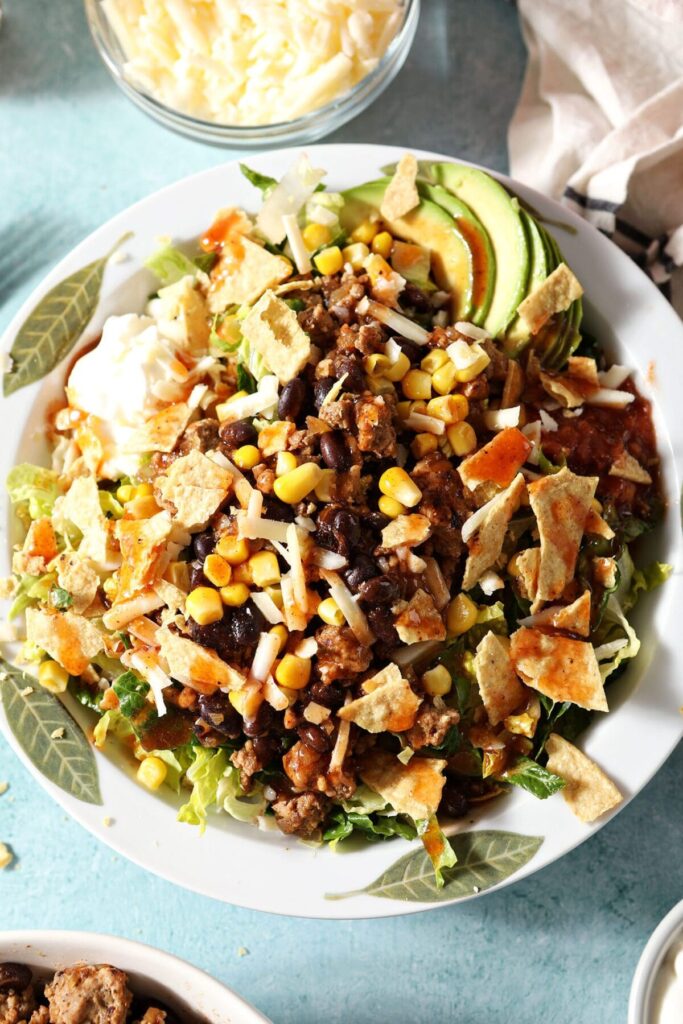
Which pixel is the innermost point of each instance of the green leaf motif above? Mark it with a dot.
(55, 325)
(485, 858)
(48, 735)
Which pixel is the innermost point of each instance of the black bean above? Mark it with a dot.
(15, 977)
(260, 723)
(292, 399)
(335, 451)
(197, 577)
(273, 508)
(246, 622)
(207, 736)
(414, 352)
(320, 389)
(351, 364)
(203, 544)
(347, 525)
(265, 748)
(330, 695)
(234, 435)
(217, 635)
(382, 625)
(314, 737)
(378, 591)
(218, 712)
(415, 297)
(454, 803)
(363, 568)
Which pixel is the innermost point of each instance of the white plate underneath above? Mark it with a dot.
(264, 870)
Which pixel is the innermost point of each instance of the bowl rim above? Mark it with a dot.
(308, 125)
(651, 959)
(152, 962)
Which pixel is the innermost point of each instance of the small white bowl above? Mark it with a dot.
(651, 959)
(151, 971)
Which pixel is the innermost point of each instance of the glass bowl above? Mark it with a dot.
(303, 129)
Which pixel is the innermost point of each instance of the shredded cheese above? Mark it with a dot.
(154, 675)
(423, 424)
(611, 398)
(267, 607)
(615, 376)
(297, 244)
(472, 331)
(349, 607)
(500, 419)
(396, 321)
(265, 654)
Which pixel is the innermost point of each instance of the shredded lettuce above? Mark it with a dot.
(31, 590)
(437, 847)
(177, 762)
(111, 722)
(109, 505)
(215, 782)
(615, 626)
(529, 775)
(644, 580)
(491, 618)
(34, 488)
(234, 801)
(169, 265)
(263, 182)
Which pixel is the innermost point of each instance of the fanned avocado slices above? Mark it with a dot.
(517, 334)
(428, 225)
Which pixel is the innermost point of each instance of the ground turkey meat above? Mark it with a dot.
(317, 323)
(443, 502)
(40, 1016)
(300, 815)
(16, 1007)
(340, 655)
(200, 436)
(248, 762)
(431, 726)
(153, 1015)
(90, 994)
(374, 424)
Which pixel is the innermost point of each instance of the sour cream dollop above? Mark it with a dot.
(667, 997)
(117, 381)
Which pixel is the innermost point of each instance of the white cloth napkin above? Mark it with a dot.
(599, 122)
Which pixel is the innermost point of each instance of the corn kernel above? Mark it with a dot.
(142, 508)
(513, 566)
(434, 360)
(462, 438)
(275, 594)
(403, 409)
(417, 384)
(282, 634)
(217, 570)
(265, 569)
(203, 604)
(420, 407)
(316, 235)
(449, 408)
(390, 507)
(233, 549)
(242, 573)
(376, 267)
(423, 444)
(396, 483)
(291, 695)
(464, 376)
(295, 485)
(365, 232)
(461, 615)
(330, 612)
(110, 586)
(246, 701)
(234, 594)
(323, 490)
(355, 254)
(329, 261)
(53, 677)
(247, 456)
(144, 490)
(376, 364)
(382, 244)
(293, 672)
(285, 463)
(399, 369)
(152, 772)
(445, 378)
(437, 681)
(125, 492)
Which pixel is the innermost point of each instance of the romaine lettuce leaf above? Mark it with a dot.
(111, 722)
(529, 775)
(263, 182)
(372, 827)
(437, 847)
(131, 692)
(234, 801)
(616, 627)
(177, 762)
(205, 772)
(34, 487)
(644, 580)
(169, 265)
(31, 590)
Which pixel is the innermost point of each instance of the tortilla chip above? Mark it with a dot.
(81, 506)
(558, 667)
(401, 195)
(589, 792)
(596, 524)
(160, 433)
(172, 596)
(142, 542)
(409, 530)
(528, 563)
(574, 617)
(560, 503)
(272, 329)
(497, 462)
(78, 578)
(274, 437)
(569, 392)
(585, 368)
(554, 295)
(243, 273)
(194, 665)
(414, 788)
(487, 543)
(196, 487)
(184, 306)
(500, 689)
(628, 468)
(605, 571)
(389, 707)
(391, 673)
(119, 615)
(419, 620)
(68, 638)
(41, 541)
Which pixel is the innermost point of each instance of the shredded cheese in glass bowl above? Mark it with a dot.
(246, 73)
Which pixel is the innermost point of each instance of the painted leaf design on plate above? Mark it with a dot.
(485, 858)
(56, 324)
(48, 735)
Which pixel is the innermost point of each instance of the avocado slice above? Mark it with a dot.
(568, 339)
(476, 236)
(500, 215)
(517, 334)
(428, 225)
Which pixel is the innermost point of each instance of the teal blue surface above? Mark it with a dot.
(559, 947)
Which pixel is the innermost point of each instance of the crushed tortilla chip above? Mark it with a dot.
(142, 543)
(597, 525)
(273, 438)
(194, 665)
(401, 195)
(81, 506)
(528, 563)
(554, 295)
(172, 596)
(409, 530)
(588, 791)
(585, 368)
(558, 667)
(560, 503)
(500, 689)
(389, 707)
(196, 487)
(243, 273)
(570, 392)
(389, 674)
(487, 543)
(628, 468)
(160, 432)
(574, 617)
(497, 462)
(419, 619)
(184, 306)
(272, 329)
(41, 541)
(68, 638)
(76, 575)
(414, 788)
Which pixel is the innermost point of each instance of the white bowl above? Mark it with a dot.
(152, 972)
(269, 871)
(641, 1001)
